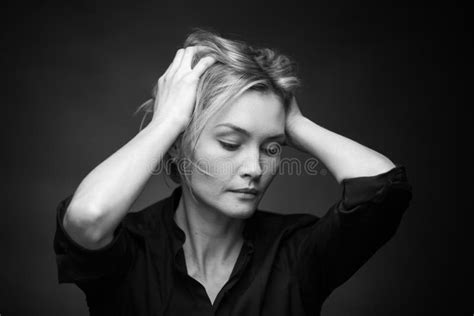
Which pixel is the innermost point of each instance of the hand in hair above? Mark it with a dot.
(293, 118)
(176, 90)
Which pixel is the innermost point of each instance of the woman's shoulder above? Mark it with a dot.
(147, 219)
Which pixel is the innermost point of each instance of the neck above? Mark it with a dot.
(212, 238)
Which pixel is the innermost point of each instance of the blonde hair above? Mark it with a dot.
(239, 67)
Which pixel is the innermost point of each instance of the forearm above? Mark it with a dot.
(343, 157)
(106, 194)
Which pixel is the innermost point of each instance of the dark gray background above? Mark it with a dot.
(385, 76)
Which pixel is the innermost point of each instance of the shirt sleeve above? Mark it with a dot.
(85, 267)
(352, 230)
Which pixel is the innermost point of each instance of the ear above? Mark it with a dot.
(173, 151)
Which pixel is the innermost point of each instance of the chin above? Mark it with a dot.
(241, 213)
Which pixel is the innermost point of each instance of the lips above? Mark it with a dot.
(247, 190)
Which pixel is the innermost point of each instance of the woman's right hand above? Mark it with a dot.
(176, 93)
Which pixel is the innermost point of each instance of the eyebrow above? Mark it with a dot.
(247, 133)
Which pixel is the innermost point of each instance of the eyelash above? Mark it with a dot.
(233, 147)
(229, 146)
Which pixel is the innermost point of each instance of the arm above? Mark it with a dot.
(343, 157)
(338, 244)
(375, 195)
(106, 194)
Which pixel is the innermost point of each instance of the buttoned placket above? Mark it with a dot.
(196, 289)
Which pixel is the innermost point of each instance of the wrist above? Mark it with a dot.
(170, 122)
(294, 123)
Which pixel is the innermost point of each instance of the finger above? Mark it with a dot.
(203, 64)
(189, 54)
(187, 57)
(175, 63)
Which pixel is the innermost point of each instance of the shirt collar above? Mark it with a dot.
(178, 235)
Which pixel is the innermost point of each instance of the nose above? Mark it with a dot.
(251, 167)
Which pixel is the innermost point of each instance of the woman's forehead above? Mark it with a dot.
(252, 111)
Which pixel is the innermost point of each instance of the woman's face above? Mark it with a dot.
(241, 147)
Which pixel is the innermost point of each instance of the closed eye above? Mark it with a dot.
(229, 146)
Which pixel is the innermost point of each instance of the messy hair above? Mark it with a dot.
(239, 67)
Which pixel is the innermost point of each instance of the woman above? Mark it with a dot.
(221, 113)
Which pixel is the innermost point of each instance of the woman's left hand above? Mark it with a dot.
(293, 118)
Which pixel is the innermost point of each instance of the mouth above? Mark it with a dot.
(247, 192)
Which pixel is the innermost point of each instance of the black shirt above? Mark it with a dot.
(288, 264)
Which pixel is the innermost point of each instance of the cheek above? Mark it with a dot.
(271, 166)
(215, 162)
